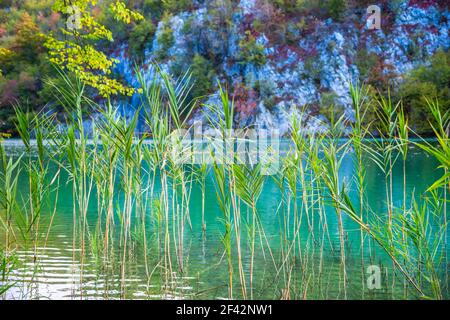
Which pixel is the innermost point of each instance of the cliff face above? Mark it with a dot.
(308, 63)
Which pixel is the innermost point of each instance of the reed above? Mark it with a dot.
(249, 185)
(442, 154)
(334, 153)
(132, 204)
(224, 123)
(359, 94)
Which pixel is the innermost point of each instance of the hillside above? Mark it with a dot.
(277, 57)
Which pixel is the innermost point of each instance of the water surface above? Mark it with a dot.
(55, 269)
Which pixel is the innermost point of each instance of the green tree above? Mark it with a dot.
(251, 51)
(429, 80)
(336, 8)
(291, 6)
(77, 51)
(174, 6)
(140, 37)
(28, 39)
(203, 74)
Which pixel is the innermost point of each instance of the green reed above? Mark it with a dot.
(334, 154)
(441, 152)
(223, 183)
(143, 194)
(249, 185)
(359, 95)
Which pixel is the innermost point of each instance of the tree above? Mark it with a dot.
(140, 37)
(202, 73)
(251, 51)
(336, 8)
(432, 81)
(174, 6)
(77, 51)
(28, 38)
(6, 58)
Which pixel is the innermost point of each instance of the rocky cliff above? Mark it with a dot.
(277, 68)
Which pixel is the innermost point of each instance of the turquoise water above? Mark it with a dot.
(56, 268)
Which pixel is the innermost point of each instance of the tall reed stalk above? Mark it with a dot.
(222, 175)
(334, 154)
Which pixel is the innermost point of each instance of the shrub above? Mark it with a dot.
(266, 90)
(291, 6)
(175, 6)
(335, 8)
(140, 36)
(330, 107)
(187, 26)
(153, 8)
(251, 51)
(365, 62)
(165, 39)
(430, 81)
(203, 74)
(313, 68)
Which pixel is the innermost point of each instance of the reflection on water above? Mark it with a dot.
(57, 267)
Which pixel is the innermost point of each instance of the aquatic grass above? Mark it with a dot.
(295, 171)
(442, 153)
(333, 156)
(418, 230)
(75, 155)
(9, 175)
(385, 158)
(138, 194)
(37, 168)
(7, 265)
(403, 145)
(249, 185)
(124, 141)
(9, 212)
(164, 123)
(224, 201)
(360, 101)
(377, 231)
(201, 176)
(230, 184)
(105, 175)
(315, 162)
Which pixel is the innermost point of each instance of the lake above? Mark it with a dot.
(299, 252)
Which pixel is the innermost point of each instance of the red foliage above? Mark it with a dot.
(10, 93)
(382, 74)
(272, 19)
(26, 81)
(245, 100)
(433, 29)
(53, 20)
(409, 28)
(423, 4)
